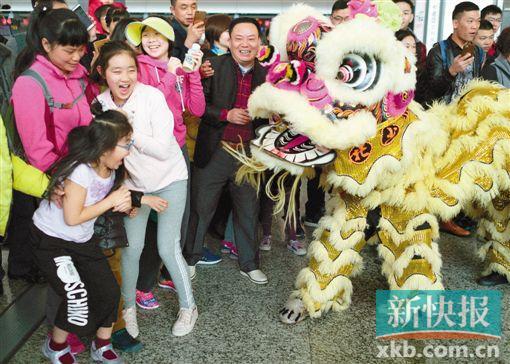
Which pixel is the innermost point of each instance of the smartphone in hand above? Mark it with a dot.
(82, 15)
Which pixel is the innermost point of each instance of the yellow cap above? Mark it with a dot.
(134, 29)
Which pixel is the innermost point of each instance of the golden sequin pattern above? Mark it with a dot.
(360, 171)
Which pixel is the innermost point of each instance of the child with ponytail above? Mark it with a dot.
(62, 238)
(156, 167)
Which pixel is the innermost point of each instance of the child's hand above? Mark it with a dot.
(133, 212)
(57, 196)
(120, 199)
(155, 203)
(173, 64)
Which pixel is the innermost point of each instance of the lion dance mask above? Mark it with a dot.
(342, 99)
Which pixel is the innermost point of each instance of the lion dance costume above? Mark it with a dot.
(342, 99)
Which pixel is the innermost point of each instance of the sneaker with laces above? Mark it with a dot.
(146, 300)
(129, 316)
(167, 284)
(226, 246)
(121, 340)
(56, 355)
(296, 247)
(186, 319)
(209, 258)
(265, 244)
(104, 354)
(234, 254)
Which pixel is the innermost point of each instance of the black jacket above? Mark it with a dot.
(220, 93)
(179, 49)
(438, 81)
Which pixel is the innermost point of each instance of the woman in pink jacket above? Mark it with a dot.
(56, 41)
(182, 91)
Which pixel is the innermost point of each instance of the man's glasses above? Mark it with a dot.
(128, 145)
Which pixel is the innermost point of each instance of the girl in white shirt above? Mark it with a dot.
(157, 168)
(62, 242)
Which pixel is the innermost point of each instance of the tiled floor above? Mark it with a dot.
(238, 320)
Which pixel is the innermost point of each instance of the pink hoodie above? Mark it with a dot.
(32, 112)
(154, 73)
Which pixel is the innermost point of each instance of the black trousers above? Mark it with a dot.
(80, 275)
(207, 186)
(314, 207)
(20, 261)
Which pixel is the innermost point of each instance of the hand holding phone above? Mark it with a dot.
(82, 15)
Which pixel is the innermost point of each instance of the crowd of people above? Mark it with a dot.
(125, 124)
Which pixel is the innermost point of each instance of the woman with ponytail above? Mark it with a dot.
(62, 238)
(50, 97)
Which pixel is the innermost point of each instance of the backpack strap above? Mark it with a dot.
(47, 95)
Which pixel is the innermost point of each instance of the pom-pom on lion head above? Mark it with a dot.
(358, 75)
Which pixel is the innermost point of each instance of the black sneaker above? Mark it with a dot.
(122, 341)
(492, 279)
(312, 221)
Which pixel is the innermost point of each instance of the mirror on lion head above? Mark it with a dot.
(329, 87)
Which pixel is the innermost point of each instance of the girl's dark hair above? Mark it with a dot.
(59, 26)
(170, 43)
(114, 14)
(48, 3)
(119, 33)
(503, 42)
(109, 50)
(404, 33)
(101, 11)
(86, 144)
(215, 25)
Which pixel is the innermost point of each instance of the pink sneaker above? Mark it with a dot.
(227, 246)
(147, 301)
(234, 254)
(167, 284)
(74, 342)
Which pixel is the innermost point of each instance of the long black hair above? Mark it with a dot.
(86, 144)
(58, 26)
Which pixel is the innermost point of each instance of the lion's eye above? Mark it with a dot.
(359, 71)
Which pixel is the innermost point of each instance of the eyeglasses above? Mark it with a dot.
(128, 145)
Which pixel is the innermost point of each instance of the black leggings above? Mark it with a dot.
(79, 273)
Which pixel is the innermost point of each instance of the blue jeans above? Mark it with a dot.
(169, 246)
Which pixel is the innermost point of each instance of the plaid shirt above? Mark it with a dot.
(233, 132)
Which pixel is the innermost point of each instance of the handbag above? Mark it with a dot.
(109, 230)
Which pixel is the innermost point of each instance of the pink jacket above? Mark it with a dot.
(154, 73)
(33, 115)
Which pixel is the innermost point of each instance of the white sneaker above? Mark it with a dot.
(192, 271)
(129, 315)
(265, 244)
(97, 355)
(186, 319)
(256, 276)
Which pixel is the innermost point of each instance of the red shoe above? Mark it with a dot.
(453, 228)
(74, 342)
(167, 284)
